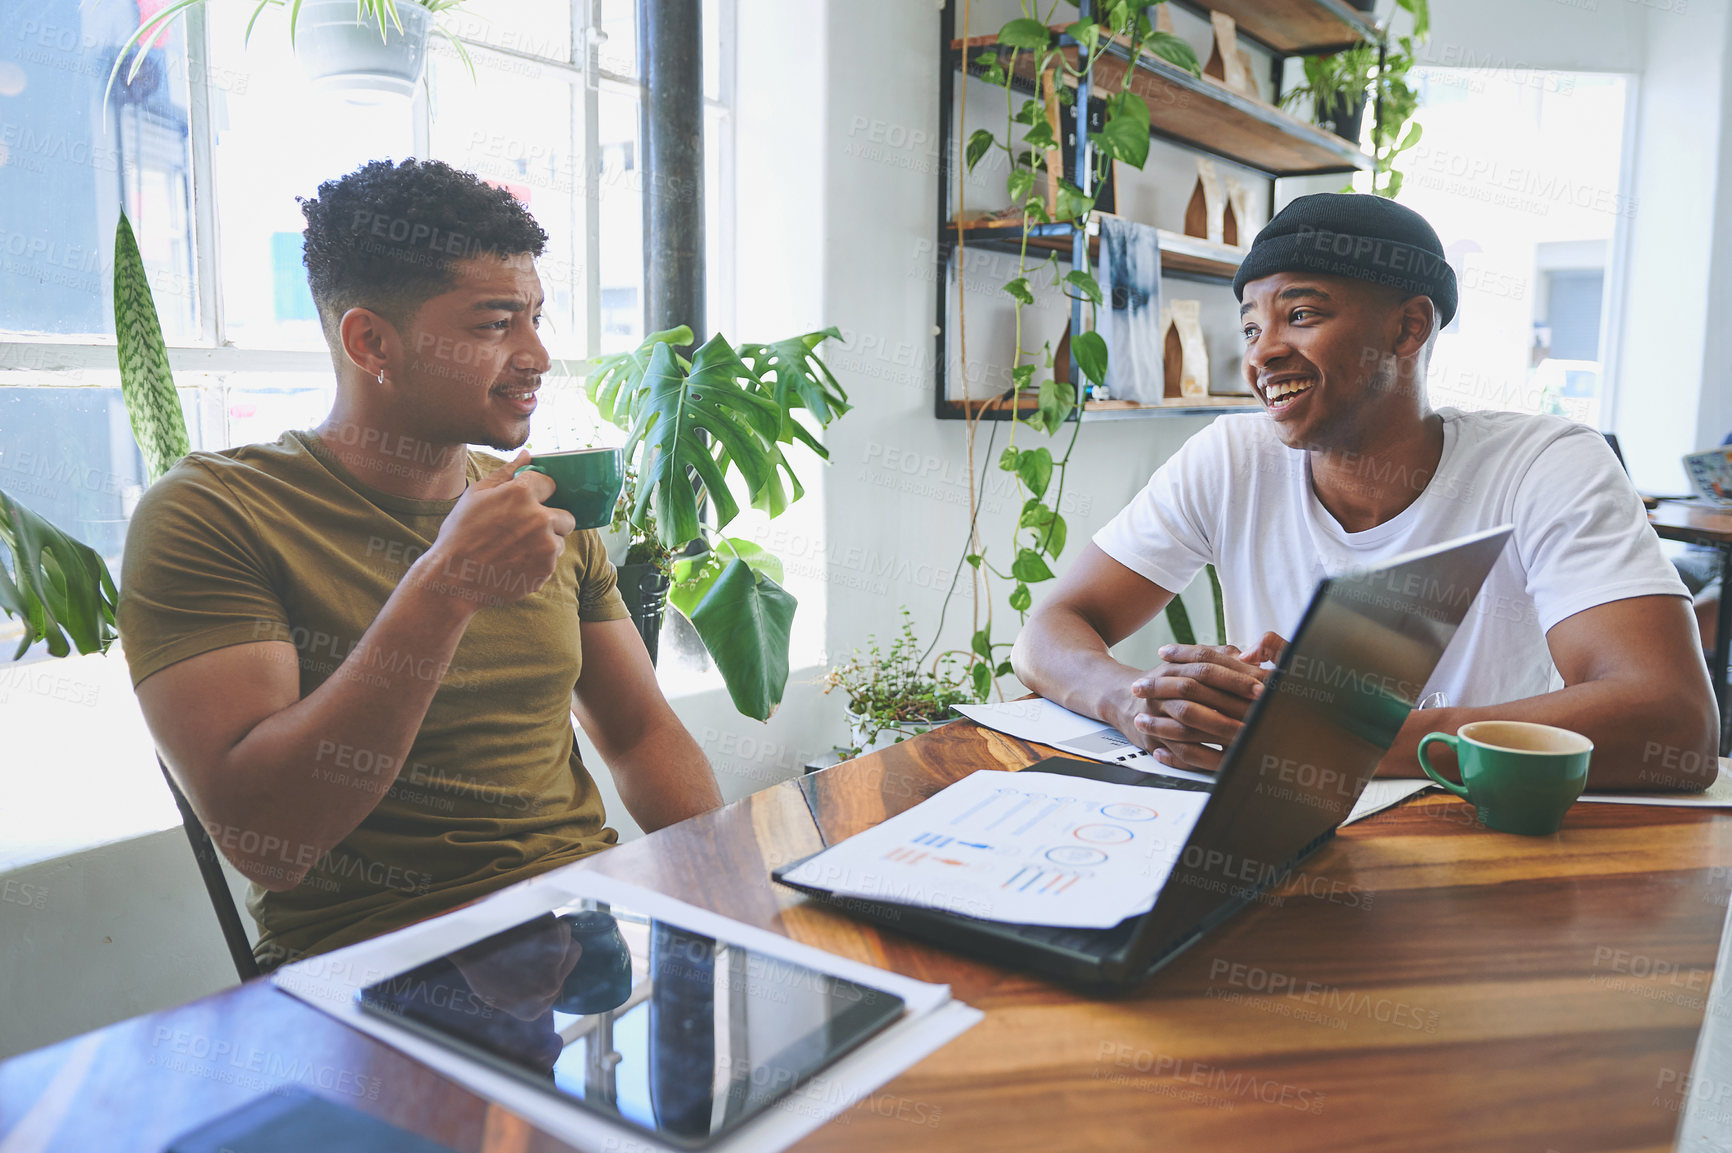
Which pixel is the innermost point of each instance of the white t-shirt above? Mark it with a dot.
(1238, 498)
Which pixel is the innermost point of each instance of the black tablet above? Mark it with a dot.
(669, 1031)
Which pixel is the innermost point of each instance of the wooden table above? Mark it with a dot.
(1706, 525)
(1436, 986)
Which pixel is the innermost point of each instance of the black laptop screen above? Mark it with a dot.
(1354, 669)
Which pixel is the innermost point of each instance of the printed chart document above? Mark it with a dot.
(1038, 719)
(1028, 848)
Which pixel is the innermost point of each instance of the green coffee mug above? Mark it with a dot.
(586, 482)
(1520, 776)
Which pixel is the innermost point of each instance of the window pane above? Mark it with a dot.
(68, 455)
(718, 222)
(532, 27)
(278, 137)
(258, 407)
(1520, 172)
(65, 171)
(616, 46)
(534, 157)
(619, 192)
(713, 49)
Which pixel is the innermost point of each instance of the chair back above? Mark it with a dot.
(215, 883)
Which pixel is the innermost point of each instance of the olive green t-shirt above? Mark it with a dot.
(279, 542)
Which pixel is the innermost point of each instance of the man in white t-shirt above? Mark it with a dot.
(1582, 622)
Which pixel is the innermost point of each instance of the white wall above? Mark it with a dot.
(1671, 375)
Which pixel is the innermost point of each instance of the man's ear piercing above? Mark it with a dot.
(381, 376)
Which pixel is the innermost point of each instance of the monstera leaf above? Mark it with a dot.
(146, 385)
(745, 620)
(59, 587)
(615, 385)
(794, 377)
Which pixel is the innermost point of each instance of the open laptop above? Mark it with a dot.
(1710, 475)
(1355, 667)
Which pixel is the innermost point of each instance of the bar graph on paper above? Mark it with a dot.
(1033, 848)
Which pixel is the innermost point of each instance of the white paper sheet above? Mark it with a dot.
(1038, 719)
(1028, 848)
(329, 983)
(1385, 793)
(1716, 796)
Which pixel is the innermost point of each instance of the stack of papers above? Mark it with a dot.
(1039, 720)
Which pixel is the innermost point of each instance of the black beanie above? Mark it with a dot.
(1354, 234)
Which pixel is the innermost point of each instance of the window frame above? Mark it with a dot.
(88, 360)
(50, 354)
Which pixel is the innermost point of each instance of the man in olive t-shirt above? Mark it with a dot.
(359, 648)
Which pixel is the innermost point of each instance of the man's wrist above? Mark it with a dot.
(428, 586)
(1121, 706)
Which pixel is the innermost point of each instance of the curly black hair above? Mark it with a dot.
(386, 236)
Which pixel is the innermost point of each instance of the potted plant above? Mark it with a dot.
(708, 432)
(1337, 87)
(1030, 146)
(645, 571)
(360, 47)
(60, 588)
(1341, 84)
(892, 695)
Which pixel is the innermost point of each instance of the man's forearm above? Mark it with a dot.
(311, 772)
(1642, 740)
(1061, 657)
(665, 777)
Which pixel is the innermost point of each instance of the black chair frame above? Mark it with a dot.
(215, 883)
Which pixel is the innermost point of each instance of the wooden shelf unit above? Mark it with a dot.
(1200, 114)
(1181, 255)
(1293, 27)
(1096, 410)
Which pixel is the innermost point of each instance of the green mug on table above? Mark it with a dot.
(1521, 777)
(586, 482)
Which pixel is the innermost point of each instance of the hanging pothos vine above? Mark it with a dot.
(1028, 49)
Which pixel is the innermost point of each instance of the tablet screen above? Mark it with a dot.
(667, 1030)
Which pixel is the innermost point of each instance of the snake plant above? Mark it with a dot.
(59, 587)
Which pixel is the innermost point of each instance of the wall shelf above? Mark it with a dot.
(1097, 410)
(1199, 113)
(1181, 255)
(1294, 27)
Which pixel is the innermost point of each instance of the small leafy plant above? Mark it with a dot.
(645, 547)
(1374, 74)
(893, 691)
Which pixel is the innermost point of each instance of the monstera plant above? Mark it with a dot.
(59, 587)
(695, 429)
